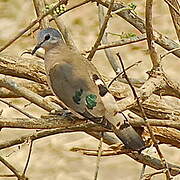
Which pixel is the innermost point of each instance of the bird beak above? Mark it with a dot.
(36, 48)
(33, 51)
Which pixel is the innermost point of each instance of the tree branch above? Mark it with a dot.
(174, 9)
(145, 159)
(139, 24)
(167, 136)
(31, 25)
(150, 35)
(27, 94)
(102, 30)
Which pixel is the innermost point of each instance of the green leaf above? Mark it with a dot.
(58, 10)
(91, 101)
(132, 6)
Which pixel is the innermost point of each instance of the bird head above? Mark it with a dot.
(47, 39)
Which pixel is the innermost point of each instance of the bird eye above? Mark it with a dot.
(47, 37)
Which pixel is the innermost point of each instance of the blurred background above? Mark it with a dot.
(51, 158)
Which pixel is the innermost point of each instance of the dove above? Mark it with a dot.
(76, 82)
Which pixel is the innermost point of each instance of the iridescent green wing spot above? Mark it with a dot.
(77, 96)
(91, 101)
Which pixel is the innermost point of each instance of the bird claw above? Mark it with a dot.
(66, 113)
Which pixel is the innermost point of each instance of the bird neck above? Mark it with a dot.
(54, 53)
(52, 46)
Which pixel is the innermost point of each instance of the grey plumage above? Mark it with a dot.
(77, 83)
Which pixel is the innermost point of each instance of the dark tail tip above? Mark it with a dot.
(130, 137)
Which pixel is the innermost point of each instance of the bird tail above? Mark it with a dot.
(130, 138)
(125, 132)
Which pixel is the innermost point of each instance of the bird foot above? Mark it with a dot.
(60, 112)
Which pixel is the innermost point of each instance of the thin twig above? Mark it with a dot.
(101, 33)
(144, 167)
(28, 158)
(18, 109)
(114, 79)
(73, 7)
(139, 24)
(39, 6)
(109, 54)
(67, 10)
(125, 75)
(150, 35)
(31, 25)
(66, 34)
(10, 167)
(171, 51)
(122, 42)
(107, 152)
(98, 157)
(149, 176)
(174, 8)
(27, 94)
(147, 123)
(142, 171)
(169, 3)
(7, 175)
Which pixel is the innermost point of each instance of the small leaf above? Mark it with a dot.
(124, 35)
(132, 6)
(58, 10)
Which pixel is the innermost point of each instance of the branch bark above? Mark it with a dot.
(174, 9)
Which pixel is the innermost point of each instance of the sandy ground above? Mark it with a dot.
(51, 158)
